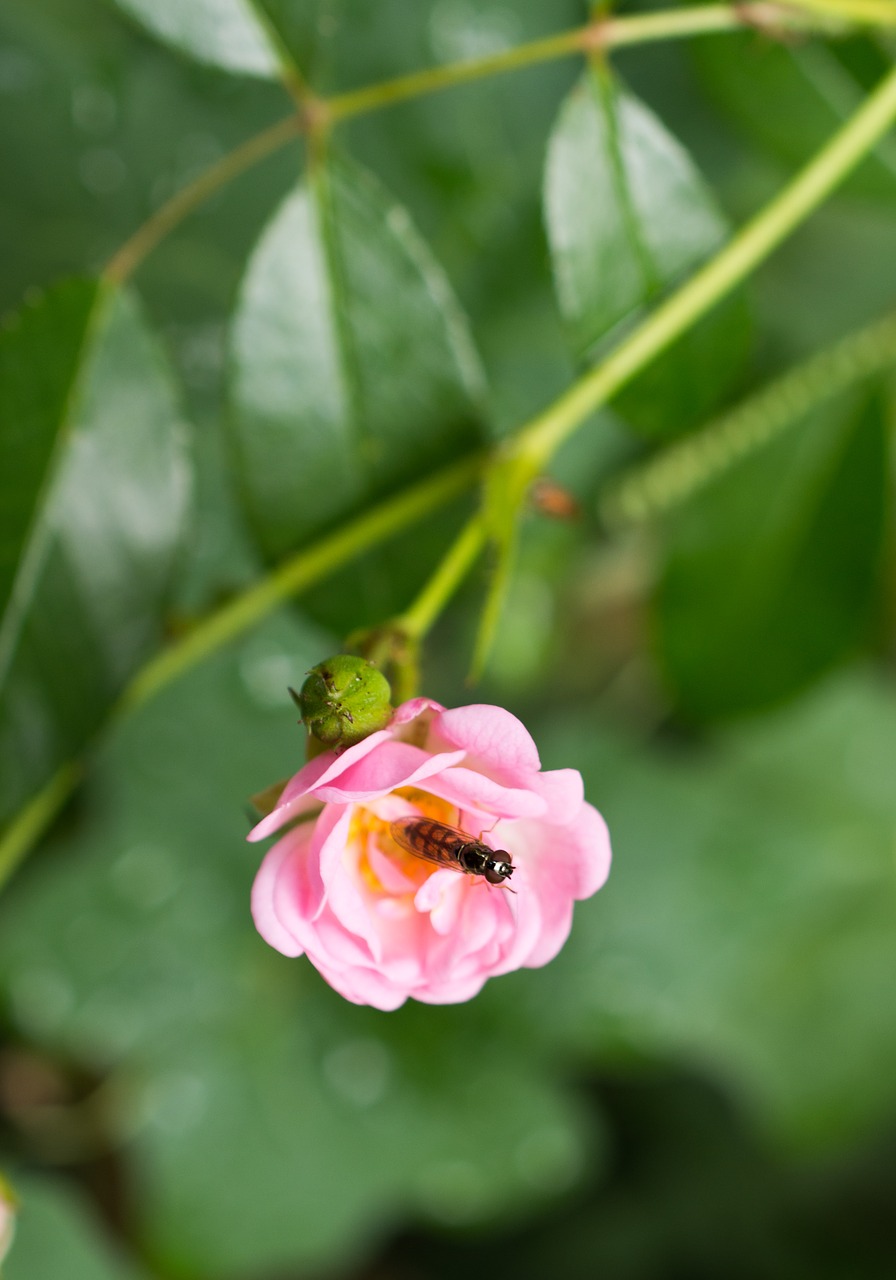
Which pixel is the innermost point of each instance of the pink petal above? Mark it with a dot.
(470, 790)
(452, 992)
(485, 908)
(392, 765)
(490, 733)
(317, 772)
(574, 859)
(363, 986)
(563, 793)
(517, 944)
(264, 913)
(441, 898)
(413, 708)
(388, 871)
(591, 843)
(335, 823)
(281, 815)
(560, 864)
(299, 896)
(556, 922)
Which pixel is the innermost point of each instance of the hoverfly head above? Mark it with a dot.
(499, 867)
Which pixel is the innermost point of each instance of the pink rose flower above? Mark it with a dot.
(381, 923)
(8, 1209)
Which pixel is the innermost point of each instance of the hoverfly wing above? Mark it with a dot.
(433, 841)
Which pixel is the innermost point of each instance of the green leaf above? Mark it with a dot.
(104, 529)
(771, 572)
(748, 930)
(57, 1235)
(790, 100)
(48, 336)
(233, 34)
(628, 216)
(353, 372)
(272, 1126)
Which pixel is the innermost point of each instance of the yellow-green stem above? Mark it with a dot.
(492, 609)
(459, 559)
(871, 12)
(296, 574)
(683, 468)
(299, 572)
(126, 260)
(534, 445)
(34, 819)
(602, 34)
(317, 115)
(538, 441)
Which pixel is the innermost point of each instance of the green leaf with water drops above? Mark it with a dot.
(352, 370)
(629, 216)
(233, 34)
(48, 334)
(105, 524)
(790, 99)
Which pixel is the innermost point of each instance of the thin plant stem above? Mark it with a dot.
(879, 13)
(33, 820)
(532, 447)
(536, 443)
(417, 84)
(682, 469)
(496, 598)
(290, 74)
(298, 573)
(184, 202)
(603, 33)
(317, 115)
(416, 621)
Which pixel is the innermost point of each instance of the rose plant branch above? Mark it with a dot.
(125, 261)
(419, 617)
(674, 475)
(533, 446)
(517, 462)
(601, 34)
(395, 645)
(870, 12)
(315, 116)
(296, 573)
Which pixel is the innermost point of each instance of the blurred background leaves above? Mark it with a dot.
(702, 1083)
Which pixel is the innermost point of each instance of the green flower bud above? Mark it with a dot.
(343, 700)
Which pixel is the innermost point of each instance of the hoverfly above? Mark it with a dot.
(450, 847)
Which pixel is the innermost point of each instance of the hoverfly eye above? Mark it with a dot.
(497, 872)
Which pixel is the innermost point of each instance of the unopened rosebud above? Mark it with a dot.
(343, 700)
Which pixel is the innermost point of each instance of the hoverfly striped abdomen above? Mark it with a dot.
(450, 847)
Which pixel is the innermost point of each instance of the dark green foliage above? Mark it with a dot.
(338, 397)
(628, 216)
(771, 574)
(244, 1121)
(105, 527)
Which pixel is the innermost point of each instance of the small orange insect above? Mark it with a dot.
(450, 847)
(551, 499)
